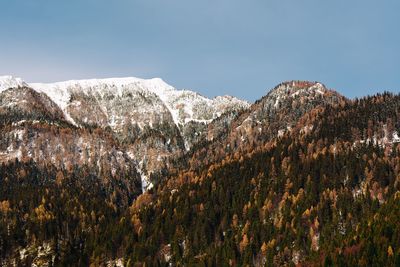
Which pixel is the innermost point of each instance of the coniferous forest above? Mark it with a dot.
(326, 196)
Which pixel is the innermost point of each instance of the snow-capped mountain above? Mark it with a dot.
(77, 159)
(183, 105)
(153, 120)
(10, 82)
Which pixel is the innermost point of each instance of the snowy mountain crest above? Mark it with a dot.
(184, 105)
(9, 81)
(153, 120)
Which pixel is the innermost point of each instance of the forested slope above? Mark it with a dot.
(324, 192)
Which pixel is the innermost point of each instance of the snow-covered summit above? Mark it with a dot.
(151, 118)
(60, 92)
(8, 81)
(155, 84)
(184, 105)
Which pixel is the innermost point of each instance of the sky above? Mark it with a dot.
(215, 47)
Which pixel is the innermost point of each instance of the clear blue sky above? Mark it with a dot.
(241, 48)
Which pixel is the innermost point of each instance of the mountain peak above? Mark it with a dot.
(158, 81)
(118, 82)
(299, 84)
(296, 88)
(9, 81)
(184, 105)
(296, 85)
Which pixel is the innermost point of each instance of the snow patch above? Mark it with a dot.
(7, 82)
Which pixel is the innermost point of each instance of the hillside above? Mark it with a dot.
(327, 195)
(302, 176)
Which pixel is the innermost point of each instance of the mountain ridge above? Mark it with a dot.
(303, 176)
(60, 93)
(158, 123)
(154, 120)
